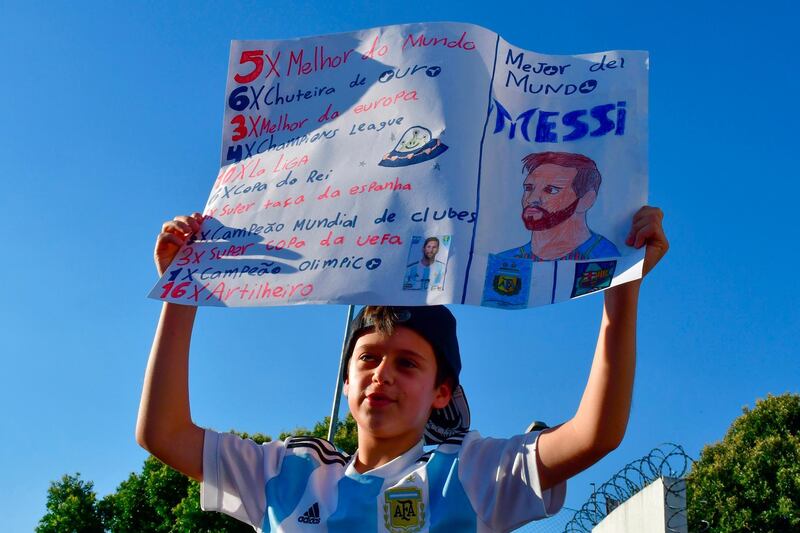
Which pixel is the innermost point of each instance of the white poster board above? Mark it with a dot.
(419, 164)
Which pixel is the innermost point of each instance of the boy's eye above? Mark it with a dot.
(408, 363)
(366, 357)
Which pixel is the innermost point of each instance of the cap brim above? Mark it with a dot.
(449, 421)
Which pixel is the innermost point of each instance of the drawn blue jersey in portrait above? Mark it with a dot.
(596, 246)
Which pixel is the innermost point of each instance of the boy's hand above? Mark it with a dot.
(647, 229)
(173, 234)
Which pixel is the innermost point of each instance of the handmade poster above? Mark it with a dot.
(419, 164)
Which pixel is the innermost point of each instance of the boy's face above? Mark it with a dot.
(390, 384)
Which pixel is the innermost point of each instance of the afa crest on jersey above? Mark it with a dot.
(403, 510)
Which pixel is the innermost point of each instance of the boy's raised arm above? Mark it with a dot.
(164, 426)
(602, 416)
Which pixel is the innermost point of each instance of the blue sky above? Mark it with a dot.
(111, 118)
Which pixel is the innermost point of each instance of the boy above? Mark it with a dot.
(401, 381)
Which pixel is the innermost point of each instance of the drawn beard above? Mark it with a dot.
(547, 220)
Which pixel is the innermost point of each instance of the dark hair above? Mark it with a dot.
(588, 177)
(430, 239)
(384, 320)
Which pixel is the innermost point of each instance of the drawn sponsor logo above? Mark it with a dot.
(592, 276)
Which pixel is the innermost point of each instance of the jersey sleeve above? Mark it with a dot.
(235, 472)
(501, 479)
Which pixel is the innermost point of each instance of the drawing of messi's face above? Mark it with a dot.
(414, 139)
(548, 198)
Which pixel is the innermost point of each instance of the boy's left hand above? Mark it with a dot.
(647, 229)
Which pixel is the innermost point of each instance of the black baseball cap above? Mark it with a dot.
(437, 325)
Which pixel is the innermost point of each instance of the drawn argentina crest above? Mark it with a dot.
(403, 511)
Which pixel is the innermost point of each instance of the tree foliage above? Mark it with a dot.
(71, 507)
(750, 481)
(345, 438)
(157, 499)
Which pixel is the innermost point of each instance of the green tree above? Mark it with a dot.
(144, 501)
(750, 481)
(157, 499)
(160, 499)
(71, 507)
(345, 438)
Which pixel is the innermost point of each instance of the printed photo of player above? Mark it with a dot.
(425, 272)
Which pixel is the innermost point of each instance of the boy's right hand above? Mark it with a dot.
(164, 426)
(173, 234)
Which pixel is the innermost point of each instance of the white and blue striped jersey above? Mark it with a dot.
(468, 483)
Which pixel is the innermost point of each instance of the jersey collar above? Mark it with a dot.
(394, 467)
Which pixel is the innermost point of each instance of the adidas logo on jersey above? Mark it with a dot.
(311, 516)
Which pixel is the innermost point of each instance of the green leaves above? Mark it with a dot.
(750, 481)
(161, 500)
(71, 507)
(157, 499)
(345, 438)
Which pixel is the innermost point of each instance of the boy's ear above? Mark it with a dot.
(443, 394)
(346, 385)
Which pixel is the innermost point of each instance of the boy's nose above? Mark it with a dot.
(383, 373)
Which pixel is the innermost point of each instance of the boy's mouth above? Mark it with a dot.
(379, 399)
